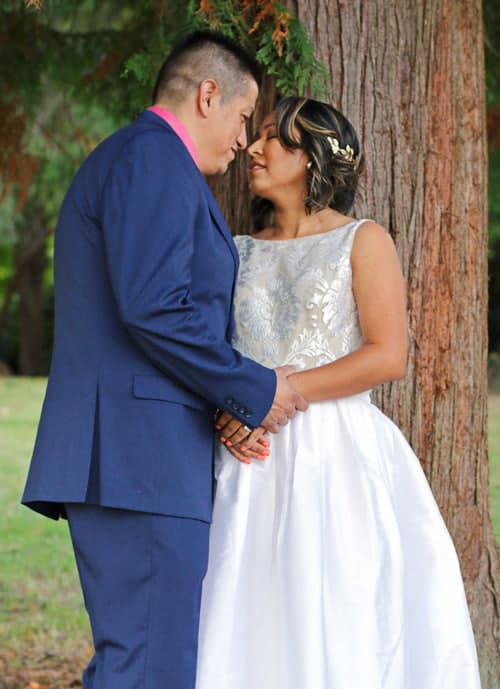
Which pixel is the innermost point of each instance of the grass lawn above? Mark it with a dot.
(41, 610)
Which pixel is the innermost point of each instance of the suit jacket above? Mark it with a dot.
(145, 268)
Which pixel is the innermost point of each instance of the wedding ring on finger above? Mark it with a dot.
(248, 430)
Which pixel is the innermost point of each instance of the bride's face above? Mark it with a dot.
(274, 169)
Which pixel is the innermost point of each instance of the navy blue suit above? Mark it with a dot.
(145, 268)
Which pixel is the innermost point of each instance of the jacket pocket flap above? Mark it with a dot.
(158, 388)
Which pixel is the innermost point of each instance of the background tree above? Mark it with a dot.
(62, 89)
(61, 92)
(411, 78)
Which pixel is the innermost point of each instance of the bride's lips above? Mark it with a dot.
(253, 167)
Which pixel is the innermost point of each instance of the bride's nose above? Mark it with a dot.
(255, 148)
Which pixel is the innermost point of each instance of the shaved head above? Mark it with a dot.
(205, 55)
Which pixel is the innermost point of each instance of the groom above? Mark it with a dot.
(145, 268)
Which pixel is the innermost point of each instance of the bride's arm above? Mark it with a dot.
(379, 290)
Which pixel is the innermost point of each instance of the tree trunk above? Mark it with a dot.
(410, 76)
(31, 255)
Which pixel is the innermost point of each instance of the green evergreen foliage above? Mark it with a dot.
(71, 73)
(491, 10)
(492, 59)
(278, 39)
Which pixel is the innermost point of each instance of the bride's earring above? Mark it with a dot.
(309, 165)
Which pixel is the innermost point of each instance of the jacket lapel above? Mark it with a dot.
(222, 227)
(150, 118)
(221, 224)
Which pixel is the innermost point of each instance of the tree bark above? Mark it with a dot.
(410, 76)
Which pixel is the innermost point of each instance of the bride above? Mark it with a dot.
(330, 565)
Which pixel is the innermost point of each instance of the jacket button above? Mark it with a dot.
(229, 400)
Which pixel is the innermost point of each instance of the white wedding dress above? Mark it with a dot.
(330, 565)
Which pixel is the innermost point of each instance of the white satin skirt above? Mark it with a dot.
(331, 567)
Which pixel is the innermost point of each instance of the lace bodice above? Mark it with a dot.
(294, 302)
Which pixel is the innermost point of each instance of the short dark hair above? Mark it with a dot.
(331, 144)
(205, 55)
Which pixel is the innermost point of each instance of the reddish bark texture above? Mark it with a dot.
(410, 76)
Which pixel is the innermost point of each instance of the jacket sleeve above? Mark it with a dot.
(149, 207)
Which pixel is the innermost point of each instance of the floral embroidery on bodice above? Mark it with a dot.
(294, 302)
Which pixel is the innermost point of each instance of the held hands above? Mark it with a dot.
(287, 401)
(241, 443)
(245, 444)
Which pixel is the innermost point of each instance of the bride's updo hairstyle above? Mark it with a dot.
(331, 144)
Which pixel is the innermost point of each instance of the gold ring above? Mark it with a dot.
(248, 430)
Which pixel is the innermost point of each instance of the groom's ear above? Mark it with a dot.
(208, 92)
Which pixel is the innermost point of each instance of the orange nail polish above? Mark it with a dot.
(229, 443)
(244, 448)
(218, 427)
(222, 439)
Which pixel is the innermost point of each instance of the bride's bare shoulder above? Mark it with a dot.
(372, 240)
(370, 232)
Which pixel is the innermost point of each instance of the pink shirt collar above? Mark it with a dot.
(178, 128)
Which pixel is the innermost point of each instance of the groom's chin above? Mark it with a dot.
(224, 167)
(219, 169)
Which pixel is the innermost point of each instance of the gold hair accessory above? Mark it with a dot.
(347, 153)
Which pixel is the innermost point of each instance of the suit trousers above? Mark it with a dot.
(141, 576)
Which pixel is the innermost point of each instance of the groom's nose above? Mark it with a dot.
(242, 140)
